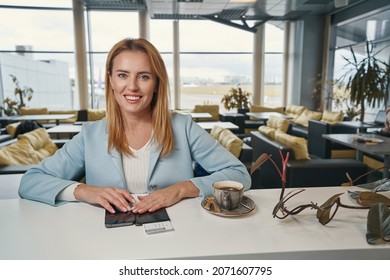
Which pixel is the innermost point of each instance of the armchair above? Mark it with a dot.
(310, 172)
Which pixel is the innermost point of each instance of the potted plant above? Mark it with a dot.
(236, 98)
(367, 82)
(22, 96)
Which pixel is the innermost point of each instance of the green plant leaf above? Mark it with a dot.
(371, 198)
(354, 195)
(276, 208)
(325, 214)
(378, 224)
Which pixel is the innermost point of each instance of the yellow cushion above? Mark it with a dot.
(261, 109)
(332, 117)
(40, 142)
(294, 110)
(297, 144)
(267, 131)
(303, 119)
(231, 142)
(213, 110)
(278, 123)
(216, 131)
(11, 128)
(33, 111)
(19, 153)
(61, 112)
(96, 114)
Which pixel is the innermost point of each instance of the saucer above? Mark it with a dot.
(246, 206)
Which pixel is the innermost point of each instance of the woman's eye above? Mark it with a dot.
(144, 77)
(122, 75)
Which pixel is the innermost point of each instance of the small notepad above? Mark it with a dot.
(158, 227)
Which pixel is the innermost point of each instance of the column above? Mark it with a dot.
(80, 54)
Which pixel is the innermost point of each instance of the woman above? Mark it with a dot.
(139, 148)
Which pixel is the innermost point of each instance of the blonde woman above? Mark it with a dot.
(140, 154)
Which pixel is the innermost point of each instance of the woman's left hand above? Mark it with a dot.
(165, 197)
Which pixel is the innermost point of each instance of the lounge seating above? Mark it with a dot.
(29, 149)
(233, 144)
(252, 123)
(213, 110)
(323, 148)
(303, 169)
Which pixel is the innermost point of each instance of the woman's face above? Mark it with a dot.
(133, 82)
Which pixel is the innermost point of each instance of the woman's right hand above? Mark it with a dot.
(105, 196)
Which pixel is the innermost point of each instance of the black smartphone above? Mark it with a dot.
(119, 219)
(160, 215)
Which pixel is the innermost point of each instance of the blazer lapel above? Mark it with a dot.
(155, 152)
(117, 160)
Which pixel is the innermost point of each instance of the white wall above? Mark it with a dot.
(49, 80)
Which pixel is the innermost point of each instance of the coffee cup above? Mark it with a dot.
(228, 194)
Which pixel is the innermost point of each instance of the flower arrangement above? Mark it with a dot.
(236, 98)
(378, 218)
(22, 96)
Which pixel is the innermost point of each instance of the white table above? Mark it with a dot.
(209, 125)
(349, 140)
(265, 116)
(9, 184)
(33, 230)
(44, 117)
(65, 128)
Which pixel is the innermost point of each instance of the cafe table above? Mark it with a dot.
(350, 140)
(209, 125)
(33, 230)
(44, 117)
(264, 116)
(69, 129)
(360, 126)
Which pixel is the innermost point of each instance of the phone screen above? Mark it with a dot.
(119, 219)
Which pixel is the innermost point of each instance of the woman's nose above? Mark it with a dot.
(133, 84)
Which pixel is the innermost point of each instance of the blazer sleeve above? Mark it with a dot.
(215, 159)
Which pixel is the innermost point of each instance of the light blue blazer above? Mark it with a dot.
(87, 155)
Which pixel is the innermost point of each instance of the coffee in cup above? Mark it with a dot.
(228, 194)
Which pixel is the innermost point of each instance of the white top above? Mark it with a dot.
(135, 168)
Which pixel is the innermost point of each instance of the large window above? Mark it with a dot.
(214, 58)
(106, 28)
(273, 66)
(37, 43)
(354, 34)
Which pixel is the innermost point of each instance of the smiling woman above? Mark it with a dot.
(136, 148)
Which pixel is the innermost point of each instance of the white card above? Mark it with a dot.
(158, 227)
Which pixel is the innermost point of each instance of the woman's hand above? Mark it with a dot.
(105, 196)
(165, 197)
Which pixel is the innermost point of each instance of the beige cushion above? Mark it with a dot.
(18, 153)
(231, 142)
(332, 117)
(303, 119)
(33, 111)
(278, 123)
(11, 128)
(213, 110)
(216, 131)
(297, 144)
(96, 114)
(262, 109)
(294, 110)
(267, 131)
(41, 143)
(61, 112)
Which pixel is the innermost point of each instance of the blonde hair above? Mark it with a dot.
(161, 118)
